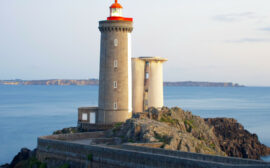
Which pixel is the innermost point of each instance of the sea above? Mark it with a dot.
(27, 112)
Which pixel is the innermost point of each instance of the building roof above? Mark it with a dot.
(148, 58)
(116, 5)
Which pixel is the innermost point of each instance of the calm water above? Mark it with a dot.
(27, 112)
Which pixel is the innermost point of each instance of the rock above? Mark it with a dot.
(4, 166)
(24, 155)
(235, 140)
(175, 128)
(70, 130)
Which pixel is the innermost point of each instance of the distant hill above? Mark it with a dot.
(203, 84)
(66, 82)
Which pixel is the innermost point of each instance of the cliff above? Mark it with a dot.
(174, 128)
(62, 82)
(177, 129)
(234, 140)
(203, 84)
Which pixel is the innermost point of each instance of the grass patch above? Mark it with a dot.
(213, 146)
(189, 125)
(65, 166)
(117, 127)
(33, 162)
(168, 119)
(131, 141)
(165, 139)
(90, 157)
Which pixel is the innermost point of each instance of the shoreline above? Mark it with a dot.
(95, 82)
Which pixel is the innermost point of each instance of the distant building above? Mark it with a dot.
(115, 78)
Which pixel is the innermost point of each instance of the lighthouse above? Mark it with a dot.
(126, 86)
(115, 81)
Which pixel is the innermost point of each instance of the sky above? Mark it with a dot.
(209, 40)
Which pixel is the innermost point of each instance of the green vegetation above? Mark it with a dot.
(90, 157)
(117, 127)
(213, 146)
(131, 141)
(65, 166)
(33, 162)
(189, 125)
(165, 139)
(168, 119)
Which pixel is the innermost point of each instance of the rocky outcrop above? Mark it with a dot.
(21, 159)
(175, 128)
(235, 140)
(25, 159)
(70, 130)
(4, 166)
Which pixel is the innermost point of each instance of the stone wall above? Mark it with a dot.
(56, 153)
(198, 156)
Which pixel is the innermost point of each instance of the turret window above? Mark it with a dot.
(115, 84)
(115, 63)
(146, 75)
(115, 42)
(115, 106)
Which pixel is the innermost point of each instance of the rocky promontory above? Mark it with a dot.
(234, 140)
(176, 129)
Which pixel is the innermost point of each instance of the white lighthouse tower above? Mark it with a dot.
(115, 90)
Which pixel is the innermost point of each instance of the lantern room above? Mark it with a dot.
(116, 12)
(116, 9)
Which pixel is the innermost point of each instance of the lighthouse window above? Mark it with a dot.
(115, 42)
(115, 84)
(146, 75)
(115, 63)
(84, 116)
(92, 118)
(116, 12)
(115, 106)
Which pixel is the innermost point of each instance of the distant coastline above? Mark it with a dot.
(84, 82)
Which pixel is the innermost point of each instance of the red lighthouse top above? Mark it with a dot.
(116, 12)
(116, 5)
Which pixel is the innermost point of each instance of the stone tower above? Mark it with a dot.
(115, 90)
(147, 74)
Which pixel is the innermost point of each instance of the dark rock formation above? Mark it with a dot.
(21, 160)
(235, 140)
(4, 166)
(180, 130)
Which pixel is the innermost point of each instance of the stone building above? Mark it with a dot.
(115, 77)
